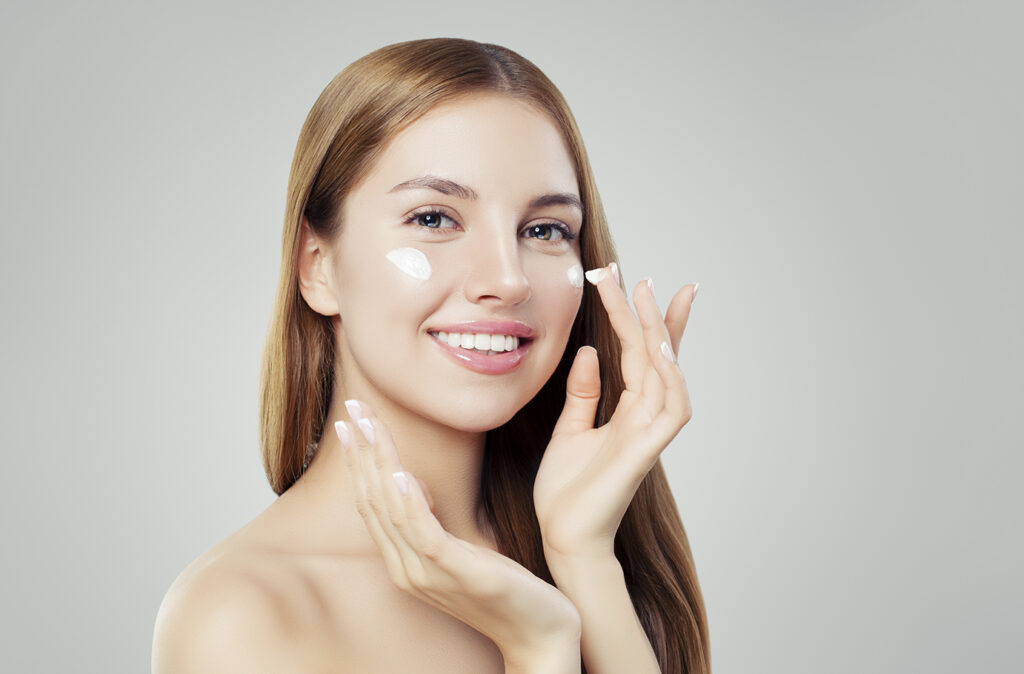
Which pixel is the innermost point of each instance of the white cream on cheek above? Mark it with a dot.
(575, 274)
(410, 261)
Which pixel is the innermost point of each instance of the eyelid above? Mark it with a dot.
(566, 230)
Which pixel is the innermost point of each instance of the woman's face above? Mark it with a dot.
(468, 223)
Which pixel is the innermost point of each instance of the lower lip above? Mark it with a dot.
(479, 361)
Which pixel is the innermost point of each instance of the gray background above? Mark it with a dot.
(844, 179)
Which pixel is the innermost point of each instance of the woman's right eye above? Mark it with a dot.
(430, 219)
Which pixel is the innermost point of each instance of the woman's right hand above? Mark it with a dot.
(535, 626)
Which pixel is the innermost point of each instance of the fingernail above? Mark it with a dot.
(342, 430)
(595, 275)
(354, 410)
(696, 286)
(367, 428)
(615, 271)
(667, 352)
(402, 482)
(650, 284)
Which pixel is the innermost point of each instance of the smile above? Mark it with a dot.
(483, 352)
(490, 344)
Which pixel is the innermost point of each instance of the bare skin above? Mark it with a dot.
(303, 587)
(344, 572)
(336, 600)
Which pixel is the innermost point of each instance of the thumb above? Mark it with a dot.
(582, 392)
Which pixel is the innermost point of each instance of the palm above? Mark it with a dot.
(588, 475)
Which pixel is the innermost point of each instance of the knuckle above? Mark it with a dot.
(372, 503)
(433, 549)
(364, 509)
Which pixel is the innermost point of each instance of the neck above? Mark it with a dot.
(447, 460)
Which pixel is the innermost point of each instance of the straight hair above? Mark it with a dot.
(357, 114)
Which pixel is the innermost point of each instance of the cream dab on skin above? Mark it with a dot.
(575, 274)
(410, 261)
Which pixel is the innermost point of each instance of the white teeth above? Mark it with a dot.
(485, 342)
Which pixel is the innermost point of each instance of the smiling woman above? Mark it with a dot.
(464, 437)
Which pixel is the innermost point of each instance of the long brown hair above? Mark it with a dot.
(362, 108)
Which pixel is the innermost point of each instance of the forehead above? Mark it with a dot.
(494, 143)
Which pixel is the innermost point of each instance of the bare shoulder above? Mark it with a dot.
(224, 613)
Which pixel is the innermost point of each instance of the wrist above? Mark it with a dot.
(579, 552)
(572, 573)
(556, 654)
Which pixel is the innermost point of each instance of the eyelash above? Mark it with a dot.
(567, 235)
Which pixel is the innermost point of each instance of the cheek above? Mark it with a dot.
(411, 262)
(558, 288)
(379, 284)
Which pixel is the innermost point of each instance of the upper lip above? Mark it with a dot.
(514, 328)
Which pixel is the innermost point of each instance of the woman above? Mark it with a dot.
(462, 486)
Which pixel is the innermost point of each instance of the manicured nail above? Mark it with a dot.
(343, 434)
(650, 284)
(595, 275)
(354, 410)
(367, 428)
(696, 286)
(615, 272)
(402, 481)
(667, 352)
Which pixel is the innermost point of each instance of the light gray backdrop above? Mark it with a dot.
(844, 179)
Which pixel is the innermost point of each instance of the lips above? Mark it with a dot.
(514, 328)
(479, 361)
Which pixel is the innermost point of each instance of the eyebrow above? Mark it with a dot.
(451, 188)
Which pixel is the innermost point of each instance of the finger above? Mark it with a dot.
(349, 449)
(380, 462)
(625, 325)
(655, 333)
(456, 561)
(678, 314)
(666, 392)
(582, 393)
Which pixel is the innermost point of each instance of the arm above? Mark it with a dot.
(613, 639)
(560, 655)
(589, 475)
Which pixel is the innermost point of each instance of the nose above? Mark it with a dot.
(496, 271)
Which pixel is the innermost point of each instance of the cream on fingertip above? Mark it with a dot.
(595, 275)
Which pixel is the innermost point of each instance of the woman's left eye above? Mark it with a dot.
(550, 231)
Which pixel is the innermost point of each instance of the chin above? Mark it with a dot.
(475, 415)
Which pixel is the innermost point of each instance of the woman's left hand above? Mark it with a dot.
(588, 475)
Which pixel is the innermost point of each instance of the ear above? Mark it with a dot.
(314, 267)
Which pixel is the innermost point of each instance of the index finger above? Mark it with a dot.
(622, 318)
